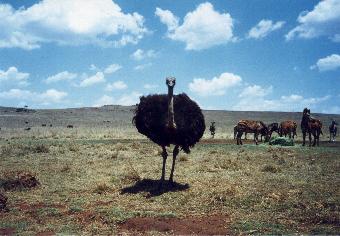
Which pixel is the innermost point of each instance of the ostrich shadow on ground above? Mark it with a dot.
(151, 187)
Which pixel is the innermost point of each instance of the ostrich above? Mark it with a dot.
(170, 119)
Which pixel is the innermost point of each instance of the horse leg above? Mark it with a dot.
(164, 155)
(310, 138)
(315, 134)
(256, 137)
(174, 155)
(303, 138)
(239, 136)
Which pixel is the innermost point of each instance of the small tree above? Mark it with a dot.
(212, 129)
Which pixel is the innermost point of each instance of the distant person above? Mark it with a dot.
(212, 129)
(333, 130)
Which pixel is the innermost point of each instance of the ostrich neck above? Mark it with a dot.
(171, 115)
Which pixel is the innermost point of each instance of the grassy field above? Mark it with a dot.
(103, 180)
(115, 122)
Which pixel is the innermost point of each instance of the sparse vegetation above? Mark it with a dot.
(264, 189)
(258, 191)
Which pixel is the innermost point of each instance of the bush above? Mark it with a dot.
(18, 180)
(282, 141)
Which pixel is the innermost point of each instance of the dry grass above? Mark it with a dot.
(270, 190)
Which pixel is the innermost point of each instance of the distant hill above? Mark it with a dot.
(121, 116)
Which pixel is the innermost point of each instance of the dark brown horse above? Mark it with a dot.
(311, 126)
(288, 127)
(250, 126)
(273, 127)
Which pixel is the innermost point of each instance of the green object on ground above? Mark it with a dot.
(283, 141)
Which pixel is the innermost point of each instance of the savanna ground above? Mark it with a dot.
(102, 179)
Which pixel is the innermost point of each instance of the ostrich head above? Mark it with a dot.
(170, 82)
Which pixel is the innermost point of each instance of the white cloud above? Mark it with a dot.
(47, 97)
(142, 66)
(139, 54)
(263, 28)
(13, 75)
(125, 100)
(65, 22)
(104, 100)
(202, 28)
(255, 91)
(95, 79)
(93, 67)
(253, 98)
(331, 62)
(129, 99)
(112, 68)
(323, 20)
(118, 85)
(62, 76)
(216, 86)
(167, 18)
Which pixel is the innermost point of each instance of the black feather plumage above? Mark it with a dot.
(151, 118)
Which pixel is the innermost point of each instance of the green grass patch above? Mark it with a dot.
(282, 141)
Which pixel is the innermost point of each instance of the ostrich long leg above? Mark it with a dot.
(175, 153)
(164, 155)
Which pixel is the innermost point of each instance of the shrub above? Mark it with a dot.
(271, 169)
(101, 188)
(41, 148)
(19, 180)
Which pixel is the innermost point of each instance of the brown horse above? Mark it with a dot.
(288, 127)
(250, 126)
(312, 126)
(271, 128)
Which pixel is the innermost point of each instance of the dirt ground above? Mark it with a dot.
(197, 225)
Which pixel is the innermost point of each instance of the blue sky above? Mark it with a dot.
(231, 54)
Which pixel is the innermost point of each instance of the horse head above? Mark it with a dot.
(265, 130)
(306, 114)
(306, 111)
